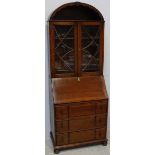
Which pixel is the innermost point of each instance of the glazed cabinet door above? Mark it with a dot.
(76, 48)
(63, 37)
(90, 47)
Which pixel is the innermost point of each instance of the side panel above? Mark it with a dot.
(52, 115)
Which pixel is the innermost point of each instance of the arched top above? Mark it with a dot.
(76, 11)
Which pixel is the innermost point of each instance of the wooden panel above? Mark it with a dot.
(101, 121)
(62, 139)
(52, 51)
(82, 136)
(101, 107)
(79, 56)
(101, 48)
(81, 109)
(61, 126)
(101, 133)
(66, 90)
(61, 112)
(92, 23)
(82, 123)
(63, 23)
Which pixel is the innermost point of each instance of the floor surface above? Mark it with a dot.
(91, 150)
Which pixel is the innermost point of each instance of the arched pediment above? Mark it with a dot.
(76, 11)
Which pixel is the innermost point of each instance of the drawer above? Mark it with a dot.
(101, 107)
(82, 136)
(81, 109)
(61, 112)
(101, 133)
(61, 126)
(101, 121)
(82, 123)
(62, 139)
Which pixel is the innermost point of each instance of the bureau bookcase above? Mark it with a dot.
(78, 97)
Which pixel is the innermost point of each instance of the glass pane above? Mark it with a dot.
(90, 48)
(64, 49)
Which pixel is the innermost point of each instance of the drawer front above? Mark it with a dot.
(82, 136)
(61, 126)
(62, 139)
(101, 107)
(82, 123)
(101, 121)
(61, 112)
(81, 109)
(101, 133)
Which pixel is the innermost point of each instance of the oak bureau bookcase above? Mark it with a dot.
(79, 102)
